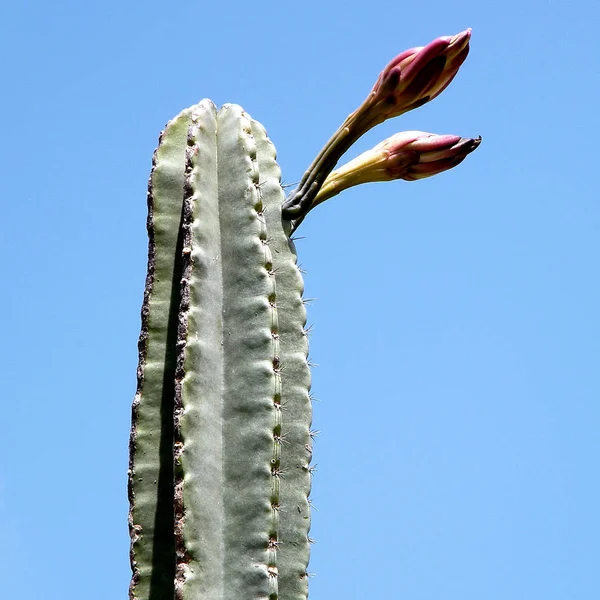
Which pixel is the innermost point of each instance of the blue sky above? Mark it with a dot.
(456, 325)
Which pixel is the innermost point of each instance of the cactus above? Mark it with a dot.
(220, 446)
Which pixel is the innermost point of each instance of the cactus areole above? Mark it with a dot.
(221, 440)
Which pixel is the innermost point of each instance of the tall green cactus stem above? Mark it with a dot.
(241, 442)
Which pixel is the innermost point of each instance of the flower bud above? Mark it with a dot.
(409, 155)
(414, 77)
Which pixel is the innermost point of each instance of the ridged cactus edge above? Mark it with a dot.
(221, 440)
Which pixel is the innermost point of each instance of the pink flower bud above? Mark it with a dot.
(416, 76)
(415, 155)
(409, 155)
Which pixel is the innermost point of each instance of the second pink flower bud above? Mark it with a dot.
(409, 155)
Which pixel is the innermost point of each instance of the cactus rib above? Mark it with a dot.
(150, 478)
(296, 413)
(226, 377)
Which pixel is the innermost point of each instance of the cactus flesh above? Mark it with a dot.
(223, 376)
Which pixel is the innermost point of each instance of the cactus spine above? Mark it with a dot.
(220, 445)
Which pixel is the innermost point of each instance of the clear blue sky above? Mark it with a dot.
(457, 321)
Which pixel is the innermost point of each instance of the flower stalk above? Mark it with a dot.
(410, 80)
